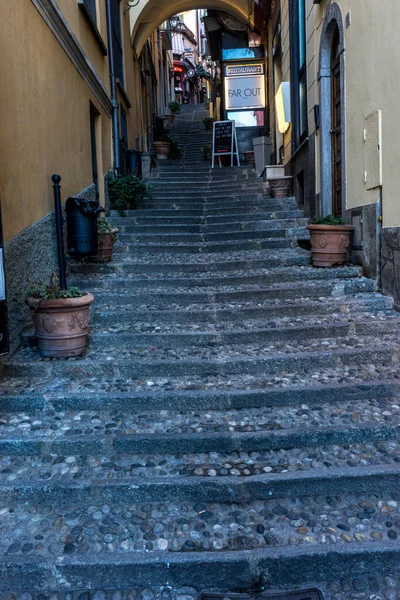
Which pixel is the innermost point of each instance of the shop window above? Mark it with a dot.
(299, 71)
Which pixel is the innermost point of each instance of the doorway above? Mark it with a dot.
(332, 88)
(336, 131)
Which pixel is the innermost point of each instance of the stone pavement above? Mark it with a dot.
(233, 424)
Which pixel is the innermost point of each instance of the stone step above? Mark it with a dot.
(207, 219)
(181, 296)
(233, 360)
(187, 263)
(131, 544)
(179, 234)
(210, 393)
(216, 221)
(238, 315)
(127, 334)
(261, 277)
(126, 479)
(140, 246)
(235, 207)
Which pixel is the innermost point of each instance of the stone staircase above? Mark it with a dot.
(233, 424)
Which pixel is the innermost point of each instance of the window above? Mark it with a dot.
(89, 7)
(299, 72)
(117, 40)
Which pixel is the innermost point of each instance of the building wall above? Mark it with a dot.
(44, 129)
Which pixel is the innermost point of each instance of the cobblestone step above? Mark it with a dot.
(234, 278)
(219, 223)
(171, 246)
(200, 263)
(159, 297)
(151, 362)
(244, 315)
(181, 237)
(305, 537)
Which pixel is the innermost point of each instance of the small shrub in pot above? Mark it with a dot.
(330, 241)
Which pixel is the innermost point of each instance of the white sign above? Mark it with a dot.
(244, 92)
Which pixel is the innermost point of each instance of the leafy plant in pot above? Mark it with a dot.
(330, 241)
(208, 123)
(126, 191)
(60, 317)
(175, 107)
(107, 237)
(206, 152)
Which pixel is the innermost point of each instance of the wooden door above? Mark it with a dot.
(336, 132)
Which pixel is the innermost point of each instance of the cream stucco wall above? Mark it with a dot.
(44, 120)
(372, 58)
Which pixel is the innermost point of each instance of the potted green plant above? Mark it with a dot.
(166, 146)
(60, 317)
(126, 191)
(206, 152)
(208, 123)
(330, 241)
(107, 237)
(175, 107)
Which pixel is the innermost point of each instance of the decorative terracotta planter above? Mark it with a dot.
(162, 149)
(170, 118)
(61, 326)
(249, 158)
(106, 245)
(281, 187)
(330, 244)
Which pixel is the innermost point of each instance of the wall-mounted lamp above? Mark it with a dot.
(131, 4)
(282, 104)
(176, 23)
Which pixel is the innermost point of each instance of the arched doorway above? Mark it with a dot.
(332, 105)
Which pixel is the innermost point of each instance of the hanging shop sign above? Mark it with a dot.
(244, 87)
(191, 73)
(224, 141)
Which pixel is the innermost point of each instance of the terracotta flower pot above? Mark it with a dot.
(330, 244)
(249, 158)
(162, 149)
(106, 245)
(170, 118)
(61, 326)
(281, 187)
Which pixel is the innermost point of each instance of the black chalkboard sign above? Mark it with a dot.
(224, 141)
(223, 133)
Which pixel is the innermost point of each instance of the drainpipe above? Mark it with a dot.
(379, 221)
(115, 126)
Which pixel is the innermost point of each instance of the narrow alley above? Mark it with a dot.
(234, 419)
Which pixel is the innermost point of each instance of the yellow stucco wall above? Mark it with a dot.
(81, 29)
(372, 58)
(44, 120)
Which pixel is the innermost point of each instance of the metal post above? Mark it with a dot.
(59, 230)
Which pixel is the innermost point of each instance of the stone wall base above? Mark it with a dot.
(364, 220)
(302, 168)
(390, 272)
(30, 257)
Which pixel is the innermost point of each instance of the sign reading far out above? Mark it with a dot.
(244, 87)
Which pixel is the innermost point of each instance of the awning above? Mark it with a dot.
(202, 72)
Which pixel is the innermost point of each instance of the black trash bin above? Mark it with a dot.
(134, 162)
(82, 226)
